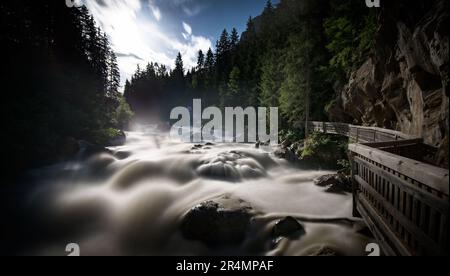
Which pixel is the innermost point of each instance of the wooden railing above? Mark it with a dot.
(360, 134)
(403, 201)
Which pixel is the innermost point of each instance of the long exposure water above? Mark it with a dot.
(131, 201)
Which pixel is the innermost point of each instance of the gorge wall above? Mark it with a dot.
(403, 85)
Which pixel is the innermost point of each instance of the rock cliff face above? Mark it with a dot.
(404, 83)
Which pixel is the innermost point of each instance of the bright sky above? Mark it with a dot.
(143, 31)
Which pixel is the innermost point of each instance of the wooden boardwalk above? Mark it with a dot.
(402, 197)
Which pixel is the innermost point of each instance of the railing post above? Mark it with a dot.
(374, 136)
(355, 187)
(357, 134)
(324, 127)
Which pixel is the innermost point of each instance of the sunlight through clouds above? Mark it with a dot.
(138, 35)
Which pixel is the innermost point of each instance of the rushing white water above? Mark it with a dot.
(132, 202)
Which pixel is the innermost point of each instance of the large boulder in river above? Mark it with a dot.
(219, 222)
(118, 139)
(288, 227)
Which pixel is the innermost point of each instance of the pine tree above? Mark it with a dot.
(251, 26)
(200, 60)
(209, 61)
(271, 78)
(234, 40)
(68, 88)
(178, 72)
(268, 8)
(223, 58)
(233, 83)
(223, 44)
(113, 76)
(127, 91)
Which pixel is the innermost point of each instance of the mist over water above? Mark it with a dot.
(132, 202)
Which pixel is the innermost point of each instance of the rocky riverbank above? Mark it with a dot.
(318, 151)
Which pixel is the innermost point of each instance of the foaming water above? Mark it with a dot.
(131, 202)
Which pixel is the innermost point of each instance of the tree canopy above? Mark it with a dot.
(294, 53)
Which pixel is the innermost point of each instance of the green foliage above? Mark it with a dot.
(233, 88)
(350, 31)
(291, 135)
(291, 56)
(325, 150)
(294, 90)
(178, 72)
(104, 136)
(62, 81)
(330, 105)
(271, 78)
(344, 167)
(124, 115)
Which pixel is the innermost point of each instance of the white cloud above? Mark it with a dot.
(141, 40)
(187, 28)
(192, 11)
(156, 12)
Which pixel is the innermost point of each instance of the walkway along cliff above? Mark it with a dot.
(404, 84)
(400, 195)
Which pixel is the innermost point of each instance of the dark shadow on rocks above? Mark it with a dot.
(221, 222)
(335, 183)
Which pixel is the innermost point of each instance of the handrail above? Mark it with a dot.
(432, 176)
(403, 201)
(350, 129)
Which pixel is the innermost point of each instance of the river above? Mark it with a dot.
(131, 201)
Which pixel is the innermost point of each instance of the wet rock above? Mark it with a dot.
(286, 154)
(285, 144)
(209, 144)
(118, 140)
(335, 183)
(197, 147)
(288, 227)
(219, 222)
(231, 166)
(324, 251)
(122, 154)
(327, 180)
(259, 144)
(219, 170)
(87, 150)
